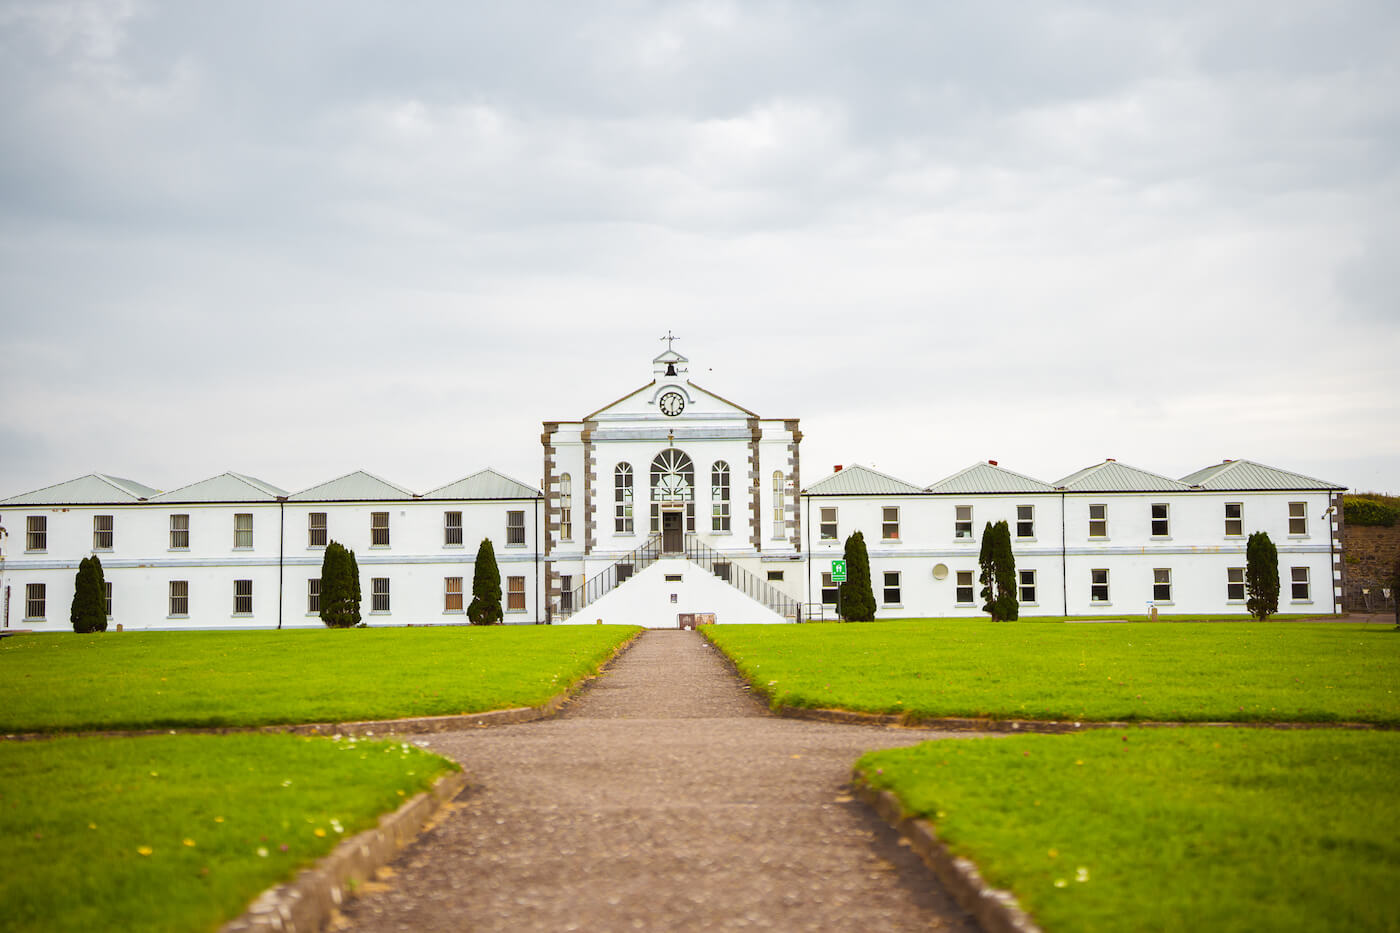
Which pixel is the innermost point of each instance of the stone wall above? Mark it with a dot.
(1369, 552)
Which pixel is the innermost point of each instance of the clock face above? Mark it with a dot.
(672, 404)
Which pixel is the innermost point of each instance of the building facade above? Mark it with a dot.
(668, 504)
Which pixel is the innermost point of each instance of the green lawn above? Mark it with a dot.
(1242, 672)
(180, 832)
(136, 680)
(1184, 829)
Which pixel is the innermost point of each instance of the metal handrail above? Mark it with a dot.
(762, 591)
(616, 573)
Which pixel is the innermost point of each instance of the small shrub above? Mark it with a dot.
(485, 608)
(1261, 575)
(89, 612)
(340, 587)
(856, 597)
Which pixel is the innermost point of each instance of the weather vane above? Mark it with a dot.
(669, 337)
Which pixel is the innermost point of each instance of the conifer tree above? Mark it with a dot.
(485, 608)
(856, 598)
(89, 611)
(340, 587)
(1261, 575)
(998, 577)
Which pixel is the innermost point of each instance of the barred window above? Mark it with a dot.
(1098, 520)
(515, 528)
(962, 521)
(316, 529)
(179, 598)
(1234, 519)
(35, 601)
(566, 592)
(1098, 586)
(719, 496)
(379, 594)
(622, 499)
(1025, 521)
(102, 532)
(515, 594)
(889, 523)
(242, 597)
(36, 533)
(378, 529)
(1234, 584)
(826, 529)
(179, 532)
(1297, 518)
(892, 588)
(313, 596)
(963, 592)
(566, 507)
(107, 597)
(452, 594)
(452, 529)
(243, 529)
(1027, 594)
(1161, 524)
(1162, 585)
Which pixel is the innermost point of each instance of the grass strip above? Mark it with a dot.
(1186, 672)
(161, 680)
(181, 832)
(1189, 829)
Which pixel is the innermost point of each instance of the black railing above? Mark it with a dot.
(615, 575)
(751, 586)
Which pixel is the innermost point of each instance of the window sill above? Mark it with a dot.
(248, 548)
(176, 618)
(27, 619)
(516, 612)
(1230, 537)
(522, 546)
(720, 534)
(315, 547)
(1159, 537)
(380, 612)
(45, 551)
(1236, 602)
(177, 550)
(1298, 537)
(889, 540)
(1098, 539)
(454, 612)
(1032, 605)
(964, 605)
(1159, 603)
(379, 547)
(891, 605)
(1030, 540)
(1100, 605)
(454, 547)
(1300, 602)
(102, 550)
(241, 615)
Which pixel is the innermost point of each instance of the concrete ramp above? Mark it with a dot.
(656, 597)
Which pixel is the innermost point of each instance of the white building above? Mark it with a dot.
(669, 502)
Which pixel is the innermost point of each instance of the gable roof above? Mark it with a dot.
(484, 484)
(353, 487)
(857, 480)
(1112, 476)
(226, 487)
(93, 489)
(988, 478)
(1243, 475)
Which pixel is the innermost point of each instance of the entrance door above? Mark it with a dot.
(672, 532)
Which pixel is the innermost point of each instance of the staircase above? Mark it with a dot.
(698, 553)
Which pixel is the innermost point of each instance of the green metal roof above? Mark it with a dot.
(1245, 475)
(983, 478)
(484, 484)
(226, 487)
(1112, 476)
(95, 488)
(857, 480)
(353, 487)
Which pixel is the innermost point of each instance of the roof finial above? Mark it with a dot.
(669, 337)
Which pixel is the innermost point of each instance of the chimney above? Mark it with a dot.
(836, 469)
(991, 463)
(1110, 459)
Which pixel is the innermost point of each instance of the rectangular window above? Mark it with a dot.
(566, 592)
(313, 596)
(719, 497)
(242, 597)
(722, 569)
(243, 530)
(36, 536)
(379, 594)
(624, 572)
(889, 523)
(179, 532)
(378, 529)
(107, 597)
(452, 594)
(827, 527)
(1025, 521)
(779, 506)
(892, 594)
(775, 576)
(963, 592)
(515, 529)
(1234, 584)
(1234, 519)
(1027, 594)
(1162, 585)
(962, 521)
(1297, 518)
(829, 590)
(316, 529)
(452, 529)
(1098, 520)
(515, 594)
(1161, 524)
(179, 598)
(1301, 590)
(1098, 586)
(35, 601)
(102, 532)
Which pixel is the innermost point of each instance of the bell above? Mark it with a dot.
(670, 369)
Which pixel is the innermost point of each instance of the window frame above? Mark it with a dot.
(1101, 521)
(380, 595)
(448, 527)
(313, 596)
(1165, 520)
(831, 587)
(36, 534)
(176, 532)
(1294, 582)
(969, 587)
(892, 593)
(962, 527)
(1099, 585)
(1237, 519)
(378, 529)
(107, 597)
(623, 498)
(240, 533)
(780, 518)
(98, 532)
(313, 529)
(452, 593)
(721, 516)
(889, 528)
(515, 527)
(1025, 527)
(36, 595)
(566, 507)
(1022, 586)
(1231, 572)
(515, 594)
(566, 592)
(1300, 530)
(178, 599)
(828, 523)
(1161, 585)
(242, 598)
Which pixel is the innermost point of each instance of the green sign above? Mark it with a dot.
(838, 571)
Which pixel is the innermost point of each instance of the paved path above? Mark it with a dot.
(664, 798)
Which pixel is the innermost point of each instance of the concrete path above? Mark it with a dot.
(664, 798)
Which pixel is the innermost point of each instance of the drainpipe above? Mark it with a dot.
(1064, 572)
(537, 560)
(1332, 566)
(281, 551)
(807, 559)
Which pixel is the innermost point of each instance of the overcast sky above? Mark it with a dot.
(298, 239)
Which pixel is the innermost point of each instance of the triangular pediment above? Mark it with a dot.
(644, 403)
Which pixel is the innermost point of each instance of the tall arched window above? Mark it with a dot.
(672, 481)
(566, 508)
(779, 506)
(719, 496)
(622, 499)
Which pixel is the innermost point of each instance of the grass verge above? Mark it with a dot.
(181, 832)
(1193, 672)
(170, 679)
(1189, 829)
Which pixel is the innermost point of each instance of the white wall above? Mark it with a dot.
(645, 599)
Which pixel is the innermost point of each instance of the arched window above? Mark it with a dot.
(566, 508)
(719, 496)
(672, 481)
(622, 499)
(779, 506)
